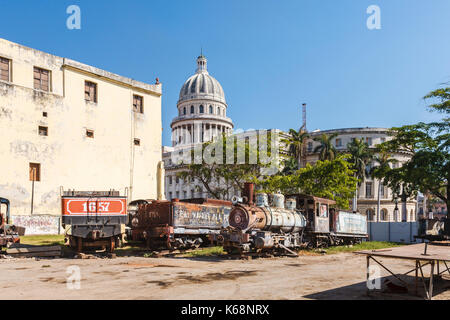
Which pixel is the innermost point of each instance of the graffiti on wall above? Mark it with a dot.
(38, 224)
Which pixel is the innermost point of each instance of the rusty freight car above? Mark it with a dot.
(178, 224)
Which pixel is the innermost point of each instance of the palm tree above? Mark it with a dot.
(289, 166)
(383, 160)
(295, 144)
(361, 156)
(326, 149)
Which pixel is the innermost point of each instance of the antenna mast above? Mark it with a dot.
(303, 129)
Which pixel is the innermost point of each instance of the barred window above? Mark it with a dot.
(41, 79)
(369, 190)
(90, 91)
(384, 215)
(43, 131)
(138, 104)
(5, 69)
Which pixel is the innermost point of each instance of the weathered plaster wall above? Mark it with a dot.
(67, 156)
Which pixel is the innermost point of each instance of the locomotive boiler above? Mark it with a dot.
(178, 224)
(259, 227)
(285, 226)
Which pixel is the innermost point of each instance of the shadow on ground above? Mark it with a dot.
(393, 291)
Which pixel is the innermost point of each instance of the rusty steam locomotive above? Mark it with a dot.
(177, 224)
(244, 224)
(305, 221)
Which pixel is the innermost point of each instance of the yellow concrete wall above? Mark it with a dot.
(68, 158)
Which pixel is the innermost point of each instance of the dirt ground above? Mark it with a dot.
(338, 276)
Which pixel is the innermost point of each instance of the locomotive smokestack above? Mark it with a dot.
(248, 192)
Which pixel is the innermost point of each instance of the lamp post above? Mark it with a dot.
(396, 210)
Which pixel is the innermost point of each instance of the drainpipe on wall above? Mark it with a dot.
(33, 175)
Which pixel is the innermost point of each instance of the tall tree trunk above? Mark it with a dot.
(424, 206)
(448, 201)
(378, 201)
(404, 210)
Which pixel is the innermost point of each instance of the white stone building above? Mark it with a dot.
(368, 191)
(64, 123)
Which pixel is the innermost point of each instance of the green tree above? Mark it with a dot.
(290, 165)
(440, 102)
(326, 149)
(332, 179)
(428, 169)
(360, 157)
(222, 177)
(295, 144)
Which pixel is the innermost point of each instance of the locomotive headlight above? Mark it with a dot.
(134, 222)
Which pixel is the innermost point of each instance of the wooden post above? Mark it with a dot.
(367, 274)
(79, 244)
(416, 280)
(430, 290)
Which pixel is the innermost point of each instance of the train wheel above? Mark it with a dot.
(112, 245)
(79, 242)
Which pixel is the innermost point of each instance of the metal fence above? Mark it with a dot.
(393, 231)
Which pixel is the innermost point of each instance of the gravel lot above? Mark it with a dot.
(338, 276)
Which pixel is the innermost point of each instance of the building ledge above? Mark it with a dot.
(155, 89)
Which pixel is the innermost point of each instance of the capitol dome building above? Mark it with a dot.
(202, 116)
(202, 109)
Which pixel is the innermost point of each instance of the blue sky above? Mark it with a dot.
(269, 56)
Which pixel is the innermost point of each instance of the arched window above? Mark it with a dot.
(184, 110)
(201, 109)
(210, 109)
(395, 215)
(370, 214)
(192, 109)
(384, 215)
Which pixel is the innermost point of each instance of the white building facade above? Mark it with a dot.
(368, 191)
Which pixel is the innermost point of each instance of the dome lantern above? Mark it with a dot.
(202, 85)
(202, 64)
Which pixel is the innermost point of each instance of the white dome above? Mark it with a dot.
(201, 85)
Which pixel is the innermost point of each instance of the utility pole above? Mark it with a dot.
(303, 129)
